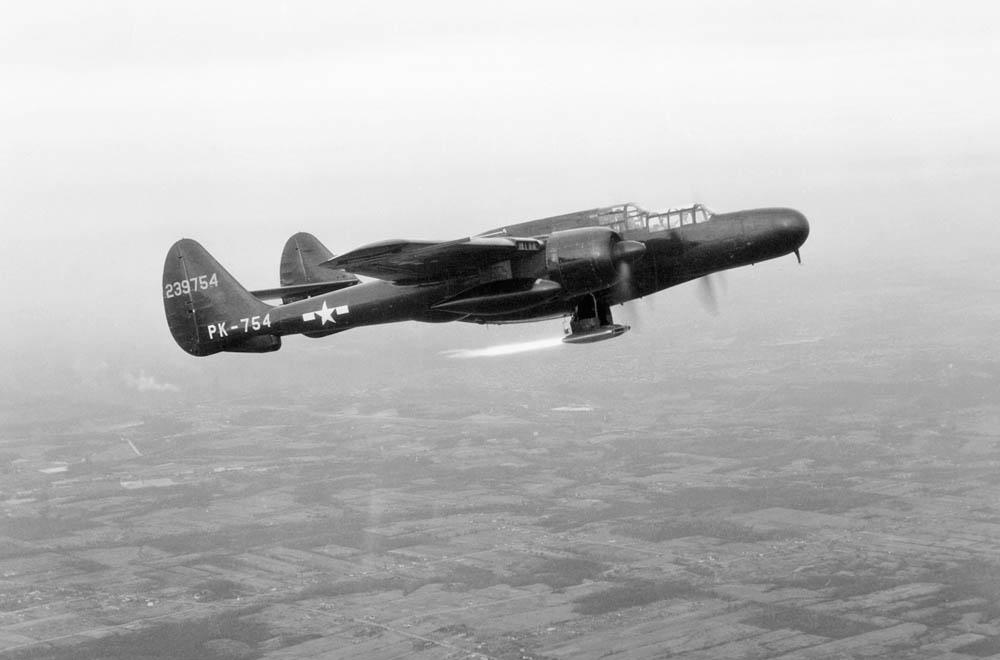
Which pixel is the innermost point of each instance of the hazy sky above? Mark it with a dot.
(126, 125)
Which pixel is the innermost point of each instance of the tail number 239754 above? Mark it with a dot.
(180, 287)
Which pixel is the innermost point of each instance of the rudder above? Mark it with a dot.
(207, 310)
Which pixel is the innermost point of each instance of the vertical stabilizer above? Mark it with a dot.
(300, 264)
(207, 310)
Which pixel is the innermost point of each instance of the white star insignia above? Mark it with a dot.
(325, 314)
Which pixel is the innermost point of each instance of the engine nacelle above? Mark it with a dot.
(582, 260)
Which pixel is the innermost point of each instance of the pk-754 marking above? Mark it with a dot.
(254, 323)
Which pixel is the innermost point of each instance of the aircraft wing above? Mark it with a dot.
(430, 261)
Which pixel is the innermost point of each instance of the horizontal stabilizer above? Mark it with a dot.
(299, 291)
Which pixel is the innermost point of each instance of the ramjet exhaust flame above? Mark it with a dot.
(504, 349)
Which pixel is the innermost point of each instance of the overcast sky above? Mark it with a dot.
(126, 125)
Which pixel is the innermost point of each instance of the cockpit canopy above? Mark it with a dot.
(625, 219)
(629, 217)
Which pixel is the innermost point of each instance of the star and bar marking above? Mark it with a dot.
(325, 314)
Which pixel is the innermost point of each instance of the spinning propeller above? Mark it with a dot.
(625, 254)
(707, 292)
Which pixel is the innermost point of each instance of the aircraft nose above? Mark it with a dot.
(792, 226)
(773, 232)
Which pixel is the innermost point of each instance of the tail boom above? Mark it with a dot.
(209, 312)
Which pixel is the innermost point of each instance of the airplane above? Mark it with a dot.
(576, 265)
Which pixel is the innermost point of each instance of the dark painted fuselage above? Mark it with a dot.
(672, 257)
(580, 265)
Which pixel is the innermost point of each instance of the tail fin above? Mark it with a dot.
(300, 264)
(208, 311)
